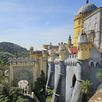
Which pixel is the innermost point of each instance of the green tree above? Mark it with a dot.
(4, 58)
(4, 92)
(3, 98)
(99, 75)
(49, 95)
(1, 76)
(20, 99)
(39, 87)
(12, 94)
(86, 90)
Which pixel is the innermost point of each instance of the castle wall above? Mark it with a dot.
(57, 72)
(60, 82)
(95, 54)
(93, 74)
(51, 75)
(81, 69)
(70, 63)
(95, 67)
(69, 88)
(78, 25)
(82, 73)
(25, 69)
(23, 73)
(101, 29)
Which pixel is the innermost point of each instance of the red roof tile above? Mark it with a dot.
(73, 50)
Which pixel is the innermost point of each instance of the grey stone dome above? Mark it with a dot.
(87, 8)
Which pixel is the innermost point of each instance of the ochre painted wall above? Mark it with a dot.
(78, 26)
(84, 51)
(41, 63)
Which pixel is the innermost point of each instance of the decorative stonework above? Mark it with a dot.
(63, 51)
(21, 61)
(24, 69)
(51, 53)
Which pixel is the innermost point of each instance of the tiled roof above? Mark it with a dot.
(53, 46)
(73, 50)
(37, 52)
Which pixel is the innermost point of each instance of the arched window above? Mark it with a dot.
(92, 65)
(73, 81)
(97, 65)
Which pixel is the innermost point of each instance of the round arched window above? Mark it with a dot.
(97, 65)
(92, 64)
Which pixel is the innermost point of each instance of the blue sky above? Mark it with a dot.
(37, 22)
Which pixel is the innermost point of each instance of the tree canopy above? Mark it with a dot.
(39, 87)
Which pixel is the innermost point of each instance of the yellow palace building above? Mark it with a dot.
(82, 13)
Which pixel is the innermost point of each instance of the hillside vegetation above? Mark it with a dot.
(13, 49)
(8, 50)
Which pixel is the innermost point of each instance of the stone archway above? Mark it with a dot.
(23, 74)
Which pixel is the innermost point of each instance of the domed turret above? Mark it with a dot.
(79, 19)
(87, 8)
(84, 47)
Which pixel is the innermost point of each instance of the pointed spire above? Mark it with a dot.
(69, 41)
(87, 1)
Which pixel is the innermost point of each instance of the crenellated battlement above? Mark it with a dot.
(71, 60)
(22, 61)
(72, 56)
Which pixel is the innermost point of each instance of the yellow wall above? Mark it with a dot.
(78, 25)
(84, 51)
(33, 56)
(41, 65)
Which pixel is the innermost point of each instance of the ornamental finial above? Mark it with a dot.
(87, 1)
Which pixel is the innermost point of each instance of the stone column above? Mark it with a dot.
(82, 73)
(51, 68)
(51, 72)
(60, 88)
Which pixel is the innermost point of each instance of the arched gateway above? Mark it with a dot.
(23, 73)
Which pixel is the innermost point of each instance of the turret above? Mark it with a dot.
(51, 68)
(84, 47)
(62, 51)
(60, 79)
(51, 53)
(31, 52)
(79, 19)
(69, 41)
